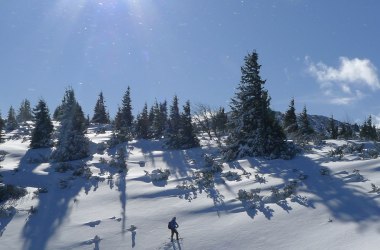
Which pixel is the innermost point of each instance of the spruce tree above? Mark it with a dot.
(290, 119)
(219, 122)
(368, 130)
(254, 129)
(187, 137)
(72, 143)
(2, 123)
(12, 123)
(346, 131)
(333, 128)
(143, 124)
(124, 117)
(305, 128)
(25, 112)
(43, 129)
(58, 112)
(174, 124)
(100, 114)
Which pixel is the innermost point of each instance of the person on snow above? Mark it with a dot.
(173, 225)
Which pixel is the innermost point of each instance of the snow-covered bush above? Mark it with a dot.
(103, 160)
(324, 171)
(231, 176)
(204, 179)
(375, 189)
(186, 186)
(84, 171)
(101, 147)
(337, 153)
(275, 192)
(211, 164)
(11, 192)
(121, 157)
(6, 211)
(2, 155)
(209, 160)
(244, 195)
(63, 167)
(260, 179)
(160, 175)
(41, 191)
(290, 189)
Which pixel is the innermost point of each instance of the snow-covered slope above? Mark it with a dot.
(333, 211)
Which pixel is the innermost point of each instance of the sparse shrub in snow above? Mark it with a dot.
(370, 154)
(120, 160)
(2, 155)
(290, 189)
(275, 192)
(6, 211)
(63, 184)
(41, 191)
(103, 160)
(302, 176)
(324, 171)
(209, 160)
(231, 176)
(375, 189)
(159, 175)
(186, 186)
(337, 154)
(84, 171)
(40, 158)
(255, 195)
(101, 147)
(11, 192)
(260, 179)
(63, 167)
(32, 210)
(244, 195)
(204, 178)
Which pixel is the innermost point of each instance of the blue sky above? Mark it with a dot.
(323, 53)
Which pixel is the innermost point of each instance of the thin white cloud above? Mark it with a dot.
(348, 82)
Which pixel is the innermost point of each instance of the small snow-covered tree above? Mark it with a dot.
(72, 143)
(24, 112)
(333, 128)
(368, 130)
(124, 118)
(143, 124)
(254, 129)
(188, 138)
(290, 119)
(174, 124)
(305, 128)
(2, 123)
(346, 131)
(11, 123)
(41, 135)
(100, 114)
(219, 122)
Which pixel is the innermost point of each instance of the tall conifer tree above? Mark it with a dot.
(12, 123)
(100, 114)
(41, 135)
(72, 143)
(255, 131)
(290, 119)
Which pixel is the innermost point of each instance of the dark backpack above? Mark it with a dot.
(171, 225)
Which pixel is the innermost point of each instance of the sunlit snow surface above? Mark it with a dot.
(335, 211)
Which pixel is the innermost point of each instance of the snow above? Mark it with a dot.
(335, 211)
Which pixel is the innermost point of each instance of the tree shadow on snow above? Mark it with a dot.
(345, 203)
(54, 205)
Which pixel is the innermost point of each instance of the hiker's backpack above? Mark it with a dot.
(170, 225)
